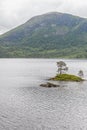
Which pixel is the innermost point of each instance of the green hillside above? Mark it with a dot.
(52, 35)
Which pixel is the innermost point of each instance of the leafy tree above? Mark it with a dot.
(80, 73)
(62, 67)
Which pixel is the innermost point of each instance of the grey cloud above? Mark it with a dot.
(16, 12)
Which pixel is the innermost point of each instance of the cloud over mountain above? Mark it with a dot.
(16, 12)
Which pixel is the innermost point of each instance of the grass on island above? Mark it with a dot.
(67, 77)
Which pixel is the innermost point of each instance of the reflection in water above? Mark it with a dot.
(24, 105)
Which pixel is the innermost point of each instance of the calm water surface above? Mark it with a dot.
(24, 105)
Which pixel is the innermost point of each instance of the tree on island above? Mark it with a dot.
(62, 67)
(80, 73)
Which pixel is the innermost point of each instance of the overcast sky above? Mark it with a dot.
(16, 12)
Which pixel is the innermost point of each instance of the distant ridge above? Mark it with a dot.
(51, 35)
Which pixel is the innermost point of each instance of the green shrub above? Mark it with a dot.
(67, 77)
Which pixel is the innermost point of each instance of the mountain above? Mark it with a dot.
(51, 35)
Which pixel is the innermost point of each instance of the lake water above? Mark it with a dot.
(24, 105)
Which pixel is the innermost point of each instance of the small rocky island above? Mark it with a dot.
(49, 85)
(67, 77)
(62, 76)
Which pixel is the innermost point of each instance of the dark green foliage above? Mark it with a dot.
(52, 35)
